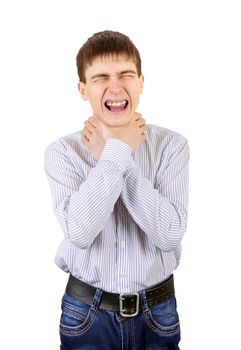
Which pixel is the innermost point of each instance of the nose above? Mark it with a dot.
(115, 86)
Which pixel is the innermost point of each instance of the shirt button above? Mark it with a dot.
(123, 244)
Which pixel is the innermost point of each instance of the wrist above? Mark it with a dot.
(117, 152)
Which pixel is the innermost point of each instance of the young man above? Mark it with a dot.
(120, 191)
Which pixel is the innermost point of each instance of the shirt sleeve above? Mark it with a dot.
(82, 206)
(161, 212)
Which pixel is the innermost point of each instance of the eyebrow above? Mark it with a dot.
(129, 71)
(105, 75)
(101, 75)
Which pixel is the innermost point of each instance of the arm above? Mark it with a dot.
(82, 206)
(161, 212)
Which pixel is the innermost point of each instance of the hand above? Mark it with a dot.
(133, 134)
(92, 137)
(96, 133)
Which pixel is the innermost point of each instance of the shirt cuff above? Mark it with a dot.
(117, 152)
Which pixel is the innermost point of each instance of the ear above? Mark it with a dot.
(82, 90)
(142, 82)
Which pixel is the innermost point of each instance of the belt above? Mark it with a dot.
(127, 304)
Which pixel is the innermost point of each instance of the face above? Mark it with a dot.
(113, 89)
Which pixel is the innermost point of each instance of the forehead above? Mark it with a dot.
(110, 64)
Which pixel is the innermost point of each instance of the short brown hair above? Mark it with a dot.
(103, 44)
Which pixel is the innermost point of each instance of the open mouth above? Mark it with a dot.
(116, 106)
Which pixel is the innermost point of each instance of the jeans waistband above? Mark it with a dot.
(127, 304)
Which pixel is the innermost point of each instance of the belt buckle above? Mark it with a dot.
(122, 299)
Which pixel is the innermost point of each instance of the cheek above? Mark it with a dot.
(95, 97)
(134, 91)
(95, 91)
(135, 96)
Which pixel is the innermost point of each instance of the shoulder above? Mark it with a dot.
(166, 146)
(67, 148)
(66, 142)
(164, 137)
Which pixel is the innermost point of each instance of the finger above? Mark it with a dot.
(87, 134)
(85, 140)
(141, 122)
(90, 127)
(142, 129)
(137, 116)
(90, 121)
(137, 120)
(145, 135)
(93, 121)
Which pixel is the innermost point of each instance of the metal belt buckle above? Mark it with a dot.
(122, 299)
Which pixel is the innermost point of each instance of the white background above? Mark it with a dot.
(191, 62)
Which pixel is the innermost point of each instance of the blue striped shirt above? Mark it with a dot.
(124, 216)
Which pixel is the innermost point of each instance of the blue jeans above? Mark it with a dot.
(89, 328)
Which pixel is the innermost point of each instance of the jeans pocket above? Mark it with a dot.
(163, 318)
(76, 317)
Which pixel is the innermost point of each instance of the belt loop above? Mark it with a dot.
(144, 304)
(97, 299)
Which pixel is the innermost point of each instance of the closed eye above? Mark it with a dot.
(99, 79)
(127, 76)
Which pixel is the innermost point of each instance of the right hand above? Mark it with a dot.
(92, 137)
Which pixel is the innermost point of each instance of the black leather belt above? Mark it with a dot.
(127, 304)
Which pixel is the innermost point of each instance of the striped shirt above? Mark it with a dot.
(124, 216)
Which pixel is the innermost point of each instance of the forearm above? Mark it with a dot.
(160, 212)
(162, 220)
(84, 214)
(84, 206)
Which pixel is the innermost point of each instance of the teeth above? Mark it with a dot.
(112, 104)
